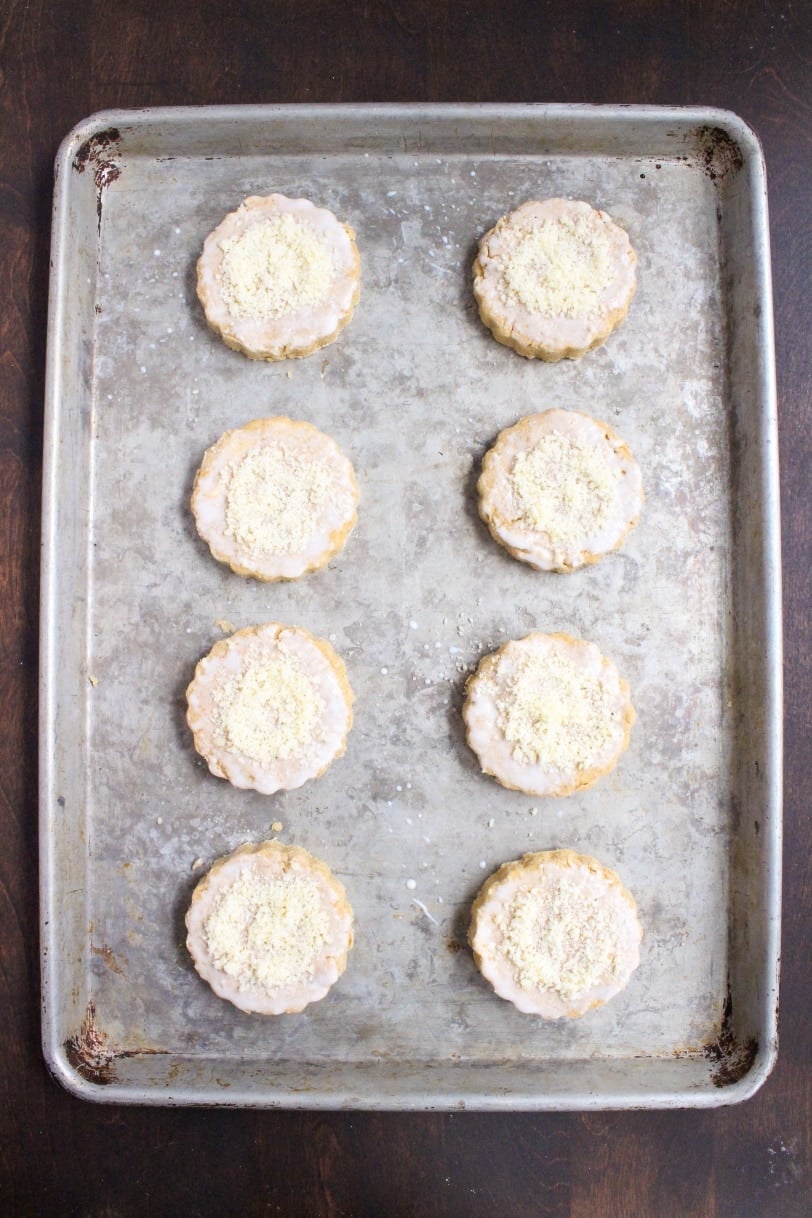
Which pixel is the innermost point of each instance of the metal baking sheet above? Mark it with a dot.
(414, 390)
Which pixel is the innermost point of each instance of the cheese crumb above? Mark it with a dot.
(559, 937)
(555, 714)
(564, 488)
(267, 930)
(271, 711)
(274, 500)
(559, 268)
(275, 267)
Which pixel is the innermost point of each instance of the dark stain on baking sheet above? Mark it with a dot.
(89, 1051)
(730, 1058)
(719, 155)
(98, 153)
(96, 148)
(109, 957)
(92, 1055)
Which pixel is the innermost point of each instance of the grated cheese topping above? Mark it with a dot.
(270, 711)
(554, 713)
(274, 500)
(267, 930)
(275, 267)
(560, 937)
(559, 268)
(564, 488)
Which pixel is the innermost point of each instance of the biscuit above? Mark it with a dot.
(275, 499)
(547, 714)
(279, 278)
(269, 928)
(270, 707)
(553, 279)
(555, 933)
(560, 490)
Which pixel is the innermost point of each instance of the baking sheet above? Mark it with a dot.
(414, 390)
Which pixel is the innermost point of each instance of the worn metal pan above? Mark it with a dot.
(415, 389)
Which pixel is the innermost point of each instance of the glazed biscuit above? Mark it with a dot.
(553, 279)
(547, 714)
(560, 490)
(270, 707)
(275, 499)
(279, 278)
(555, 933)
(269, 928)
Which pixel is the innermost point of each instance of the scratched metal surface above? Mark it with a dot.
(414, 390)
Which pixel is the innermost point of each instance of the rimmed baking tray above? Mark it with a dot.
(415, 389)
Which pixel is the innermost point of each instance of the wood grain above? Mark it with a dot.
(63, 59)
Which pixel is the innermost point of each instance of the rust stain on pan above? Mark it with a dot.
(720, 155)
(109, 957)
(89, 1051)
(730, 1059)
(94, 149)
(98, 153)
(91, 1054)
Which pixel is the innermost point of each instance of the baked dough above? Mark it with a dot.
(275, 499)
(555, 933)
(269, 928)
(547, 714)
(559, 490)
(553, 279)
(279, 278)
(270, 707)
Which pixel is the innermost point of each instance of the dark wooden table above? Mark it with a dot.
(63, 59)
